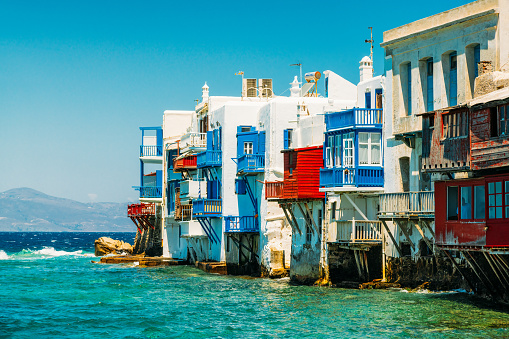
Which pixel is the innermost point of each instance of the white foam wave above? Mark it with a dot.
(3, 255)
(52, 252)
(44, 253)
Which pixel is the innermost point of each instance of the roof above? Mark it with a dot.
(302, 149)
(499, 95)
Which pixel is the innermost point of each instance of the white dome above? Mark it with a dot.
(366, 59)
(205, 86)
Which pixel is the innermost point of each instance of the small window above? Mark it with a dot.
(333, 211)
(452, 203)
(495, 204)
(369, 148)
(309, 232)
(248, 147)
(245, 129)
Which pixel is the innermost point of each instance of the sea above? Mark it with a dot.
(52, 287)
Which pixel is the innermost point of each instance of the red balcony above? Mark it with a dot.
(290, 189)
(188, 162)
(134, 210)
(274, 189)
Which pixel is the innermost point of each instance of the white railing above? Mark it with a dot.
(356, 231)
(407, 202)
(194, 140)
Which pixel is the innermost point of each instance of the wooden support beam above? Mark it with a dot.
(366, 264)
(405, 232)
(289, 218)
(421, 232)
(500, 269)
(310, 213)
(488, 259)
(476, 268)
(459, 270)
(392, 238)
(428, 226)
(306, 217)
(358, 264)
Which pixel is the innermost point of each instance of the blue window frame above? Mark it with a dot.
(453, 79)
(429, 87)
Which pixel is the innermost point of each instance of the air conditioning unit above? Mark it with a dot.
(249, 88)
(265, 88)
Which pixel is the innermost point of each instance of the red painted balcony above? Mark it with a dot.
(134, 210)
(274, 189)
(180, 164)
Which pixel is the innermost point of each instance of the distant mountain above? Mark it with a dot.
(26, 210)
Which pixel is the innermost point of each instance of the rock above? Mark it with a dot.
(105, 245)
(378, 284)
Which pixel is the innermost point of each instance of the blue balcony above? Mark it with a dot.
(210, 158)
(211, 208)
(151, 151)
(245, 224)
(354, 118)
(251, 163)
(352, 177)
(150, 192)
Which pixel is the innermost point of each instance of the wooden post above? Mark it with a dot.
(423, 236)
(405, 232)
(392, 238)
(352, 236)
(311, 217)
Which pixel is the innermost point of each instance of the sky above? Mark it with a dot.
(78, 78)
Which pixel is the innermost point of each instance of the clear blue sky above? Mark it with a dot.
(77, 78)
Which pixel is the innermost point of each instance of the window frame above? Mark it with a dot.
(472, 185)
(249, 147)
(370, 145)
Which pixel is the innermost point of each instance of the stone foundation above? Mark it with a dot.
(343, 270)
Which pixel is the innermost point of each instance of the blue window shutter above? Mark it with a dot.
(219, 133)
(409, 89)
(453, 80)
(261, 142)
(477, 59)
(159, 137)
(429, 89)
(159, 178)
(286, 144)
(210, 140)
(240, 186)
(367, 99)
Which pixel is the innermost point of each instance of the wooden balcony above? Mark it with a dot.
(209, 158)
(356, 231)
(289, 189)
(244, 224)
(351, 177)
(274, 189)
(211, 208)
(185, 163)
(193, 141)
(354, 118)
(141, 210)
(251, 163)
(407, 204)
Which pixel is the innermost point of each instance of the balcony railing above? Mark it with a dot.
(274, 189)
(407, 203)
(357, 177)
(184, 163)
(151, 151)
(245, 224)
(183, 212)
(355, 117)
(149, 191)
(357, 231)
(141, 209)
(207, 208)
(193, 140)
(209, 159)
(251, 163)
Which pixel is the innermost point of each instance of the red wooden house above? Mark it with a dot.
(301, 175)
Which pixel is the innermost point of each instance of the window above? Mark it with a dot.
(309, 231)
(452, 203)
(466, 203)
(337, 150)
(369, 148)
(333, 211)
(248, 147)
(455, 125)
(495, 204)
(477, 59)
(348, 150)
(288, 134)
(378, 98)
(499, 121)
(429, 85)
(479, 202)
(329, 152)
(453, 79)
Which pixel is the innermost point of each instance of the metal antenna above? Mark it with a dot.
(370, 41)
(300, 66)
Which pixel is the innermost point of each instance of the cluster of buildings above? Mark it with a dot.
(402, 176)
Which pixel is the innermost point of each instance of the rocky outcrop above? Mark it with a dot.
(105, 245)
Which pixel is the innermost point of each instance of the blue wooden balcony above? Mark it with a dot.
(245, 224)
(354, 177)
(153, 192)
(251, 163)
(211, 208)
(151, 151)
(353, 118)
(209, 158)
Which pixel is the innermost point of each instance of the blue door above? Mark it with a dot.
(429, 87)
(453, 80)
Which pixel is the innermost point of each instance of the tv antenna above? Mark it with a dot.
(370, 41)
(300, 66)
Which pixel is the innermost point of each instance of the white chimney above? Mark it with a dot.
(205, 93)
(366, 68)
(295, 90)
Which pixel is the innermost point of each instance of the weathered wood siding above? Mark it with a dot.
(304, 180)
(487, 152)
(440, 154)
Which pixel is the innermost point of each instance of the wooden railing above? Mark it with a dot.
(353, 117)
(407, 203)
(207, 207)
(193, 140)
(141, 209)
(274, 189)
(251, 163)
(187, 162)
(183, 212)
(151, 151)
(356, 231)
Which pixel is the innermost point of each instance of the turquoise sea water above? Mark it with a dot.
(49, 288)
